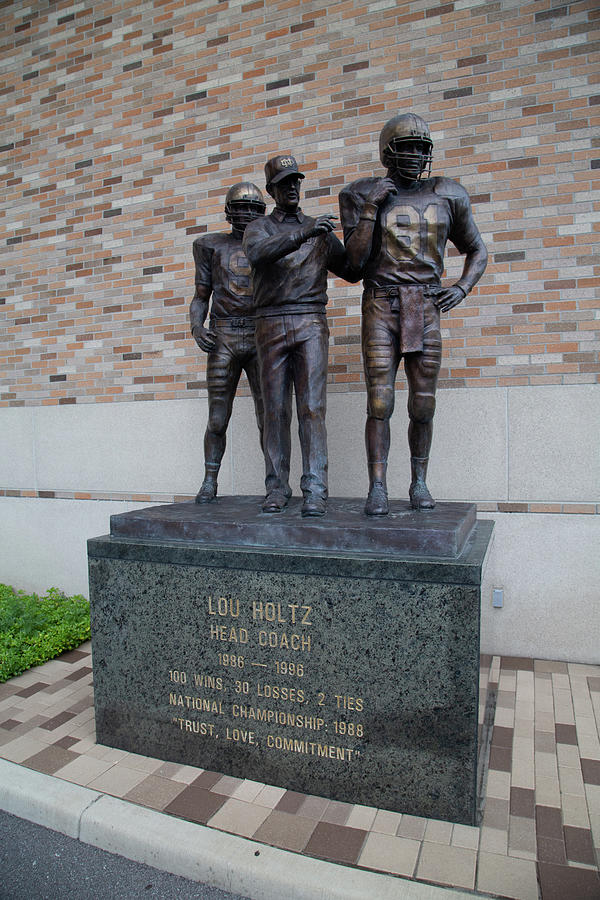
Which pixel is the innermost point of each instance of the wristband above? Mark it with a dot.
(461, 288)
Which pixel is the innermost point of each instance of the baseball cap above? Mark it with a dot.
(280, 167)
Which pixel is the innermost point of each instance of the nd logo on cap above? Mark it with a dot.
(281, 167)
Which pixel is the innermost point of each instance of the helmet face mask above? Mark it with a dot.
(240, 212)
(410, 158)
(243, 203)
(405, 146)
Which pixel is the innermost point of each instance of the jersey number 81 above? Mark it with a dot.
(409, 233)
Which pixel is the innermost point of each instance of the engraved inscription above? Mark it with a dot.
(197, 703)
(208, 682)
(240, 736)
(228, 633)
(195, 727)
(284, 641)
(293, 745)
(224, 606)
(252, 682)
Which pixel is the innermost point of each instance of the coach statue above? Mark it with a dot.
(395, 231)
(291, 254)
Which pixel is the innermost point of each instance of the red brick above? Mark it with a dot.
(186, 165)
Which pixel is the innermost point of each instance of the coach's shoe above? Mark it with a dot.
(207, 492)
(314, 505)
(377, 501)
(420, 498)
(274, 502)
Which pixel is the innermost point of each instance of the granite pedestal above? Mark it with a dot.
(342, 661)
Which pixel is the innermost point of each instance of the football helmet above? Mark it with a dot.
(395, 152)
(243, 203)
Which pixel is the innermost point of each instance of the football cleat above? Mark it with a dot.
(420, 498)
(207, 492)
(377, 501)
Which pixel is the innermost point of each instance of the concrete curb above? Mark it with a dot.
(42, 799)
(194, 851)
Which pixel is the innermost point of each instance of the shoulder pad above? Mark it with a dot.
(360, 187)
(208, 240)
(449, 189)
(257, 223)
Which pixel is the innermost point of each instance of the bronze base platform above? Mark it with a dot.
(442, 532)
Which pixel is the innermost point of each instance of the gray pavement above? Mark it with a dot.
(39, 864)
(166, 843)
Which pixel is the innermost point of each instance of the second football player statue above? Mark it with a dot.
(223, 276)
(395, 230)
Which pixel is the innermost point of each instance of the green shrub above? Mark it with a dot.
(35, 629)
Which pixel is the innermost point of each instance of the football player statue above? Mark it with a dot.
(223, 271)
(395, 231)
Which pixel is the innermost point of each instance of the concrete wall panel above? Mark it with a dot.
(555, 443)
(469, 452)
(17, 449)
(549, 569)
(44, 541)
(496, 444)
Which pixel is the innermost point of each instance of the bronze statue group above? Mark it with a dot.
(266, 282)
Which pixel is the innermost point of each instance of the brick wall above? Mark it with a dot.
(125, 122)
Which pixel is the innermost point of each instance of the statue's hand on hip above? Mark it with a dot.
(447, 298)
